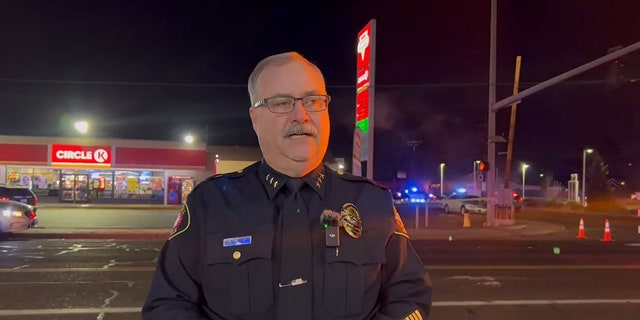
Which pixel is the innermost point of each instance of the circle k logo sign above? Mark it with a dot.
(101, 155)
(80, 156)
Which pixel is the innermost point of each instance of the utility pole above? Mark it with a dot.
(413, 144)
(491, 143)
(512, 126)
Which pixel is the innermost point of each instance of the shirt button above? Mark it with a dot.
(298, 211)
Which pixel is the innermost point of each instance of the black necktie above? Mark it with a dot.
(296, 271)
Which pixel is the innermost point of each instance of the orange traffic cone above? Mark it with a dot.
(607, 232)
(581, 234)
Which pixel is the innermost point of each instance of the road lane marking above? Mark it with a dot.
(39, 312)
(40, 283)
(97, 269)
(21, 267)
(479, 281)
(470, 303)
(532, 302)
(428, 267)
(534, 267)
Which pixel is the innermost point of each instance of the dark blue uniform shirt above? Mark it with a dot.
(242, 248)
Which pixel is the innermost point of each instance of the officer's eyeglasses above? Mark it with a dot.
(285, 104)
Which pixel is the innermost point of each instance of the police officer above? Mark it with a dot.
(287, 237)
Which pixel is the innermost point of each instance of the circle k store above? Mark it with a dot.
(79, 170)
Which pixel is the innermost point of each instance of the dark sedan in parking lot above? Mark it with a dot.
(16, 216)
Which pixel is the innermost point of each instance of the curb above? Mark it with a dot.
(479, 233)
(516, 227)
(126, 234)
(586, 213)
(561, 228)
(111, 206)
(524, 229)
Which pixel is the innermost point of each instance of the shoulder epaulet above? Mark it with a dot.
(351, 177)
(235, 174)
(232, 175)
(206, 181)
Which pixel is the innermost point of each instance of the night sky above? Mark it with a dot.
(157, 69)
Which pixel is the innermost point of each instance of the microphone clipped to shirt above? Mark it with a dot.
(331, 221)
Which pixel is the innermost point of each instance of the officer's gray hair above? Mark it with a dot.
(274, 60)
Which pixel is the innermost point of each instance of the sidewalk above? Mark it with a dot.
(520, 230)
(87, 233)
(154, 222)
(587, 212)
(108, 206)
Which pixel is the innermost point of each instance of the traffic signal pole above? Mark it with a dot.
(512, 126)
(517, 98)
(562, 77)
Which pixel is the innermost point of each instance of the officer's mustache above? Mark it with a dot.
(300, 129)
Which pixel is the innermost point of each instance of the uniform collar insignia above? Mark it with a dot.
(317, 180)
(273, 180)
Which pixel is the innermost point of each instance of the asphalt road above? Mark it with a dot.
(67, 279)
(624, 226)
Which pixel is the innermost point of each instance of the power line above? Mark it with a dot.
(122, 83)
(233, 85)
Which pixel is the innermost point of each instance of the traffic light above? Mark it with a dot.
(483, 166)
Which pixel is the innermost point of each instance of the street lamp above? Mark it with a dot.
(81, 126)
(442, 179)
(524, 170)
(197, 135)
(584, 175)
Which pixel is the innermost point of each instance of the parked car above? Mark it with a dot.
(464, 203)
(19, 194)
(16, 216)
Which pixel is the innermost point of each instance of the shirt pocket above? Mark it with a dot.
(352, 279)
(238, 280)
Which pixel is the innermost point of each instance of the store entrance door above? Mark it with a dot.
(179, 189)
(74, 188)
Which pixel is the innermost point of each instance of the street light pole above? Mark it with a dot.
(475, 177)
(584, 175)
(413, 144)
(524, 170)
(442, 179)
